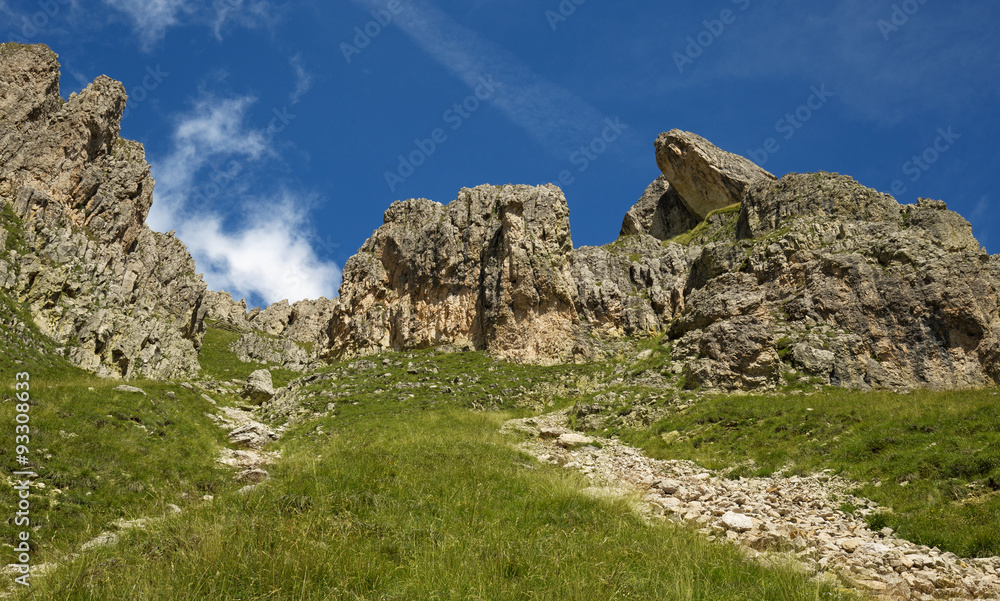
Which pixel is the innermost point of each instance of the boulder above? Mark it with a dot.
(258, 388)
(706, 177)
(571, 440)
(737, 521)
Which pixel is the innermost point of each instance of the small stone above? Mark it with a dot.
(670, 437)
(549, 432)
(125, 388)
(571, 440)
(252, 476)
(850, 544)
(737, 522)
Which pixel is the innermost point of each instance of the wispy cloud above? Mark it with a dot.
(303, 79)
(557, 119)
(244, 13)
(840, 43)
(265, 253)
(151, 18)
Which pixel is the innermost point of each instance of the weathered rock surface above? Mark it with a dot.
(253, 347)
(301, 321)
(706, 178)
(812, 277)
(124, 300)
(491, 270)
(281, 334)
(660, 212)
(258, 388)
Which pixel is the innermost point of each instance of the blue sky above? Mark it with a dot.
(279, 132)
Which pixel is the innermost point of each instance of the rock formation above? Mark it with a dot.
(753, 280)
(491, 270)
(810, 277)
(660, 212)
(124, 300)
(706, 178)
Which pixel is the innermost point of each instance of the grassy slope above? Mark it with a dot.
(100, 455)
(405, 491)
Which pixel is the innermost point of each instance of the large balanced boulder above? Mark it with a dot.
(706, 177)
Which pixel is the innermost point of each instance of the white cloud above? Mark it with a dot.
(557, 119)
(303, 79)
(212, 131)
(246, 14)
(267, 255)
(151, 18)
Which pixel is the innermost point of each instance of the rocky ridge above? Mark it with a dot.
(755, 280)
(123, 300)
(811, 277)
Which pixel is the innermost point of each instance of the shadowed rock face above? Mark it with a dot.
(90, 270)
(660, 212)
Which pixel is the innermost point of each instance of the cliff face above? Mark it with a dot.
(124, 300)
(490, 271)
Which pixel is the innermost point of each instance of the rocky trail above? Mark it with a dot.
(778, 520)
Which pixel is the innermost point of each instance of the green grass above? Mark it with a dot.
(219, 363)
(394, 482)
(417, 504)
(932, 457)
(100, 455)
(706, 225)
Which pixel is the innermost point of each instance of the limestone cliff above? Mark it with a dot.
(755, 280)
(491, 271)
(125, 301)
